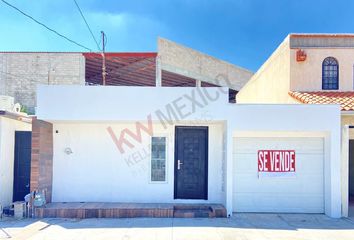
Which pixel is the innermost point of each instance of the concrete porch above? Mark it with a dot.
(129, 210)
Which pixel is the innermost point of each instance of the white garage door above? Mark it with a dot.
(302, 193)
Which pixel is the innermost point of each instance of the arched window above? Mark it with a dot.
(330, 73)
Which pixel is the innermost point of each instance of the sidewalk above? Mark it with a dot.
(240, 226)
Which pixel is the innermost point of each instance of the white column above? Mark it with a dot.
(345, 170)
(229, 170)
(158, 82)
(333, 170)
(198, 83)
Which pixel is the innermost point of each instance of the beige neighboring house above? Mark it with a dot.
(312, 69)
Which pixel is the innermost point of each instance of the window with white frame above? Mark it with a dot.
(158, 159)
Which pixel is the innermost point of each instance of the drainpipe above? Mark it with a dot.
(104, 73)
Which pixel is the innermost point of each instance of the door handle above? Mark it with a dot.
(27, 185)
(179, 163)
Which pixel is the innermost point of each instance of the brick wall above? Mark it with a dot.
(21, 72)
(42, 157)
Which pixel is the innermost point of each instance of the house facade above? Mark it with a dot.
(189, 145)
(164, 129)
(20, 72)
(312, 69)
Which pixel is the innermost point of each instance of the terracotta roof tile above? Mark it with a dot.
(345, 99)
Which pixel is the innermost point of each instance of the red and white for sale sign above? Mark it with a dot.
(276, 163)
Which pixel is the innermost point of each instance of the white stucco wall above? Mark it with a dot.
(7, 151)
(307, 75)
(117, 105)
(98, 171)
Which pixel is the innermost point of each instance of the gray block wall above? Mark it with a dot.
(185, 61)
(20, 73)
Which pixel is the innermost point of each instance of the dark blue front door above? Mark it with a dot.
(22, 165)
(191, 163)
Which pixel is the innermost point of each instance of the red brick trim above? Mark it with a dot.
(42, 157)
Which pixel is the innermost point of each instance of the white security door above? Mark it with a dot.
(300, 193)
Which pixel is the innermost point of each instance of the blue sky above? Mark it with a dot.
(243, 32)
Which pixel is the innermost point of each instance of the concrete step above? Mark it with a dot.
(128, 210)
(192, 213)
(199, 211)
